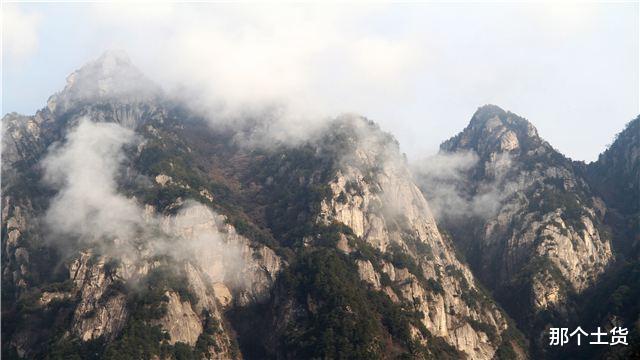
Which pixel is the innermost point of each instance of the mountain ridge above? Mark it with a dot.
(546, 236)
(340, 206)
(326, 247)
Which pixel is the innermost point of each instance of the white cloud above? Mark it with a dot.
(420, 70)
(242, 57)
(84, 169)
(88, 209)
(385, 60)
(20, 32)
(445, 180)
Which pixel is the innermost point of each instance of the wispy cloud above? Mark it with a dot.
(419, 70)
(84, 168)
(90, 212)
(446, 180)
(297, 62)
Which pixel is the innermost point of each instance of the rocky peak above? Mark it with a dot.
(494, 130)
(538, 228)
(111, 77)
(357, 134)
(373, 195)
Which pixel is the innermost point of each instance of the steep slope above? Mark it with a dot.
(615, 177)
(132, 228)
(613, 301)
(374, 195)
(527, 222)
(87, 277)
(297, 199)
(375, 214)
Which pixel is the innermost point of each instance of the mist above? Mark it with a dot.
(89, 212)
(312, 61)
(84, 169)
(445, 180)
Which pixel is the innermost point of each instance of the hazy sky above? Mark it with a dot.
(420, 70)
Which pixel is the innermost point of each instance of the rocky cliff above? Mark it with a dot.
(370, 260)
(374, 195)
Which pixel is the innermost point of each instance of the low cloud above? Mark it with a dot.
(84, 168)
(446, 180)
(88, 211)
(292, 67)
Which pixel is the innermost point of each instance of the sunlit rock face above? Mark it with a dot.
(177, 272)
(374, 194)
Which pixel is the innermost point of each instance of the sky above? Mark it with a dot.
(418, 69)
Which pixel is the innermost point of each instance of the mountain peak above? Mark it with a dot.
(493, 117)
(492, 130)
(114, 55)
(112, 63)
(489, 109)
(110, 77)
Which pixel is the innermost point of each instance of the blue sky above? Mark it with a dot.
(420, 70)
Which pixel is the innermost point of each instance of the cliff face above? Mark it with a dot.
(110, 83)
(370, 260)
(534, 227)
(95, 296)
(374, 195)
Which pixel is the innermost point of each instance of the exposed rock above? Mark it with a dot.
(546, 294)
(543, 233)
(509, 141)
(180, 321)
(48, 297)
(222, 293)
(343, 244)
(110, 78)
(206, 194)
(368, 274)
(374, 195)
(163, 179)
(224, 255)
(96, 314)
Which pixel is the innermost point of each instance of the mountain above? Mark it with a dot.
(133, 227)
(527, 220)
(615, 177)
(613, 301)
